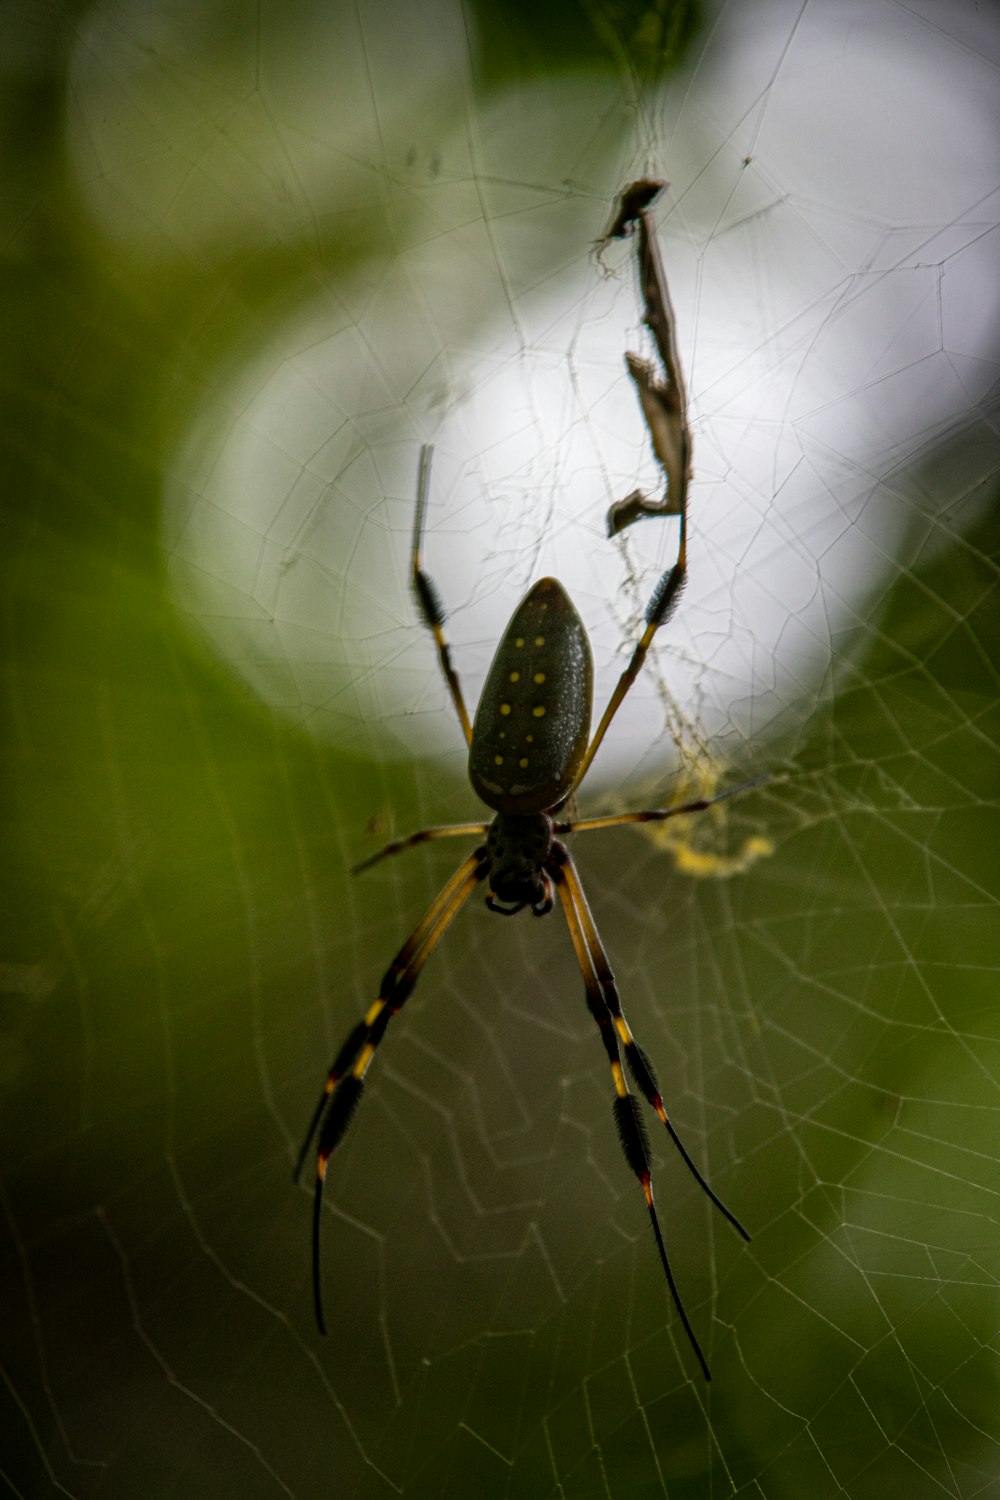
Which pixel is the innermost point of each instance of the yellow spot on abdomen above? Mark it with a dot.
(498, 760)
(515, 677)
(505, 708)
(538, 712)
(539, 640)
(538, 677)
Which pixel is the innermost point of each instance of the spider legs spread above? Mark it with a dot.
(574, 825)
(526, 875)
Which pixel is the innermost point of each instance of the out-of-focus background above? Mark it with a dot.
(253, 257)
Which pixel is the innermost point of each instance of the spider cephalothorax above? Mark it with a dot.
(517, 847)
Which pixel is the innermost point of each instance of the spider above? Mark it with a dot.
(529, 749)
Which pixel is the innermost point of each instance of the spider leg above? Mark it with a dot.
(659, 814)
(631, 1126)
(424, 836)
(345, 1079)
(661, 606)
(639, 1064)
(428, 599)
(355, 1038)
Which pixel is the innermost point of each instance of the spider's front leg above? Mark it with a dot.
(345, 1080)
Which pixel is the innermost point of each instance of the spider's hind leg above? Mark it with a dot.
(605, 1006)
(628, 1119)
(638, 1061)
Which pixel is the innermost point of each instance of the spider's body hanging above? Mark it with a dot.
(529, 748)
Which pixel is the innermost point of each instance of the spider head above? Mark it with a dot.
(518, 848)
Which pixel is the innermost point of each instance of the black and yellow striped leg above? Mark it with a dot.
(659, 609)
(628, 1119)
(429, 600)
(356, 1038)
(638, 1062)
(346, 1079)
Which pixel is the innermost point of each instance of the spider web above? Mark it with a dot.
(256, 256)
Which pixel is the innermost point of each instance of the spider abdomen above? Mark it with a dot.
(533, 721)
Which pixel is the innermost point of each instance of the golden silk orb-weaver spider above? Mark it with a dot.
(529, 748)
